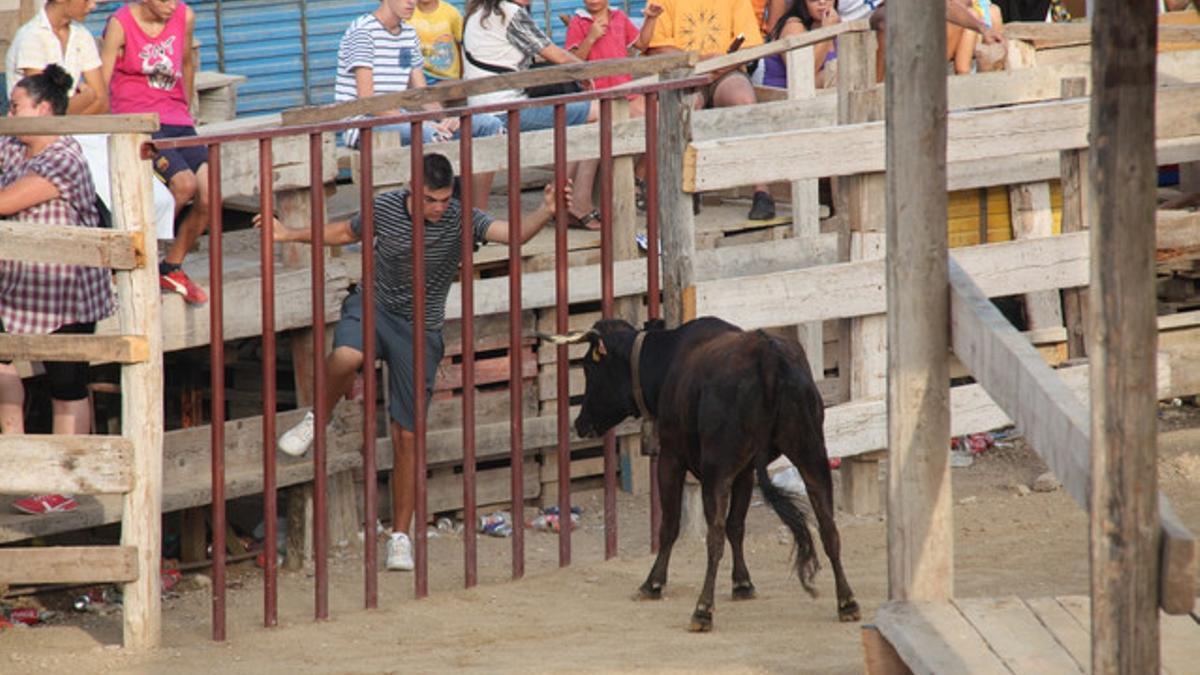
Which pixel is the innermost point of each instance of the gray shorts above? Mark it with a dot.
(393, 344)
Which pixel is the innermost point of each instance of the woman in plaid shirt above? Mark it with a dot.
(44, 180)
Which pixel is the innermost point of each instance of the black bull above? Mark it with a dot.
(726, 403)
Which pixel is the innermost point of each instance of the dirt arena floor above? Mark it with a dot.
(583, 619)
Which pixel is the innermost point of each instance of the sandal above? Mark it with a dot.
(581, 222)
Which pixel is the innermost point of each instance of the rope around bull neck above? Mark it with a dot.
(635, 373)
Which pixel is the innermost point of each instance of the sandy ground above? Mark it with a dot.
(583, 618)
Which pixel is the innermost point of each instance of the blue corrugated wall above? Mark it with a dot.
(262, 39)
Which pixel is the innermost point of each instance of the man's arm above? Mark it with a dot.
(961, 15)
(651, 13)
(337, 233)
(498, 231)
(114, 41)
(96, 93)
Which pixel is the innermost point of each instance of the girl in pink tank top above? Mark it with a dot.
(148, 76)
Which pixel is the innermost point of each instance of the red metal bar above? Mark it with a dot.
(266, 204)
(419, 461)
(517, 453)
(652, 281)
(320, 514)
(216, 342)
(561, 326)
(408, 117)
(370, 480)
(466, 191)
(606, 308)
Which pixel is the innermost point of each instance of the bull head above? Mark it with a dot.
(608, 391)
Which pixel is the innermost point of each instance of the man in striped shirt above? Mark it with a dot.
(394, 314)
(380, 53)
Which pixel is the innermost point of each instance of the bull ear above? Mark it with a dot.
(598, 350)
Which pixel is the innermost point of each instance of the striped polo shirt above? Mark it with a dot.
(390, 56)
(393, 254)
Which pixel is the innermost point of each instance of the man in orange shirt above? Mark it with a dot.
(710, 27)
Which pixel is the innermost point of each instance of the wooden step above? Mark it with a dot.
(91, 348)
(68, 564)
(41, 464)
(72, 245)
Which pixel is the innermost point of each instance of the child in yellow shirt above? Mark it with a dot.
(439, 26)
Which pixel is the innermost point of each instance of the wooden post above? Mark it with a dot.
(141, 391)
(863, 366)
(1074, 208)
(806, 200)
(920, 528)
(678, 231)
(1125, 537)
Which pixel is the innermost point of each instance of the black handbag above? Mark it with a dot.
(536, 91)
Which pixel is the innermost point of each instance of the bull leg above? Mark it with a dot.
(670, 489)
(735, 529)
(716, 506)
(818, 479)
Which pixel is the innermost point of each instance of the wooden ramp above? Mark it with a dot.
(1009, 635)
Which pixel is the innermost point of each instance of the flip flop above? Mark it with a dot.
(581, 222)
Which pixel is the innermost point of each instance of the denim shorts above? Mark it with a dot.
(393, 344)
(534, 119)
(482, 125)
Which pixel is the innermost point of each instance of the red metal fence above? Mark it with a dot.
(216, 306)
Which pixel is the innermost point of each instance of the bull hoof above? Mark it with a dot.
(701, 622)
(649, 591)
(849, 612)
(744, 591)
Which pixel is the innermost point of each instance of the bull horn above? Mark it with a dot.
(569, 339)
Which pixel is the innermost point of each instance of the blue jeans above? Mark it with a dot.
(534, 119)
(482, 125)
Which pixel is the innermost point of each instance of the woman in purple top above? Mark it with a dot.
(803, 16)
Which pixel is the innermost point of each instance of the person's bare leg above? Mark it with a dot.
(196, 221)
(733, 91)
(584, 185)
(403, 477)
(341, 367)
(71, 417)
(12, 401)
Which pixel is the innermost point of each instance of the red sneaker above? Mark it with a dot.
(45, 504)
(179, 282)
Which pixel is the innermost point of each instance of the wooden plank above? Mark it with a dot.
(1045, 35)
(1125, 523)
(72, 125)
(1074, 210)
(1180, 649)
(42, 464)
(69, 565)
(66, 347)
(879, 656)
(675, 217)
(806, 39)
(1032, 216)
(933, 638)
(1180, 565)
(1014, 633)
(492, 486)
(458, 89)
(1065, 629)
(141, 393)
(487, 371)
(71, 245)
(973, 136)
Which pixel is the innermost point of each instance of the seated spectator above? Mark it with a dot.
(380, 53)
(500, 37)
(711, 27)
(149, 67)
(801, 17)
(439, 27)
(45, 180)
(958, 14)
(57, 35)
(962, 45)
(596, 33)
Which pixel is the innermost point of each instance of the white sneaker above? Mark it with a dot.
(297, 440)
(399, 552)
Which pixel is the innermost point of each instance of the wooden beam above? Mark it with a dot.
(1180, 565)
(458, 89)
(71, 245)
(807, 39)
(933, 637)
(42, 464)
(1043, 34)
(1125, 533)
(675, 215)
(91, 348)
(974, 136)
(920, 517)
(71, 125)
(69, 565)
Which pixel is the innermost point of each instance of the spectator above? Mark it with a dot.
(962, 45)
(596, 33)
(149, 67)
(57, 35)
(711, 28)
(439, 26)
(801, 17)
(500, 37)
(44, 180)
(380, 53)
(958, 14)
(394, 315)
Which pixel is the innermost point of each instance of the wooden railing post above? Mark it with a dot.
(675, 216)
(141, 391)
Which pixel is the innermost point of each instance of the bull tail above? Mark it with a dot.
(804, 553)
